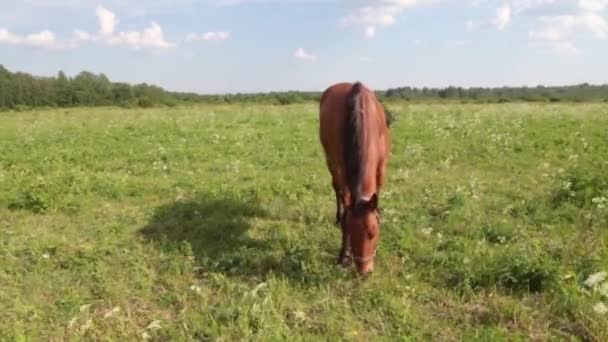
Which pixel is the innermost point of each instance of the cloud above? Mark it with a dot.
(593, 5)
(558, 32)
(209, 36)
(503, 17)
(81, 35)
(107, 21)
(42, 39)
(8, 37)
(370, 32)
(375, 14)
(558, 22)
(151, 37)
(45, 38)
(303, 55)
(557, 46)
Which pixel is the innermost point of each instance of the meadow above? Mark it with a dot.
(215, 222)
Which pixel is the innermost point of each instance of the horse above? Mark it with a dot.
(355, 137)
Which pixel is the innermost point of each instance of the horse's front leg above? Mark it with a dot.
(339, 202)
(339, 209)
(344, 257)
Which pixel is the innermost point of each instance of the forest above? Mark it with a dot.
(19, 90)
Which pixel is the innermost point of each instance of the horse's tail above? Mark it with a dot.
(353, 140)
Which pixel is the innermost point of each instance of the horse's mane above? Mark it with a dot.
(354, 148)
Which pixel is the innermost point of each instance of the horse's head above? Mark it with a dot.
(362, 223)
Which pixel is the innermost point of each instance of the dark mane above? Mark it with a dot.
(353, 141)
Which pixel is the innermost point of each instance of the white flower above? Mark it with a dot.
(196, 288)
(154, 325)
(427, 231)
(112, 312)
(600, 308)
(596, 279)
(600, 202)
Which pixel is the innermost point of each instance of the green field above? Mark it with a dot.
(215, 222)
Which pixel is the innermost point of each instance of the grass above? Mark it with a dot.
(215, 223)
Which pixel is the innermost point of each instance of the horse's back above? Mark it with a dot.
(333, 112)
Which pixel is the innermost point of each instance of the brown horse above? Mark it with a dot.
(356, 141)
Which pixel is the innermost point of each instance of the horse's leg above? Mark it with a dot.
(337, 191)
(339, 203)
(380, 177)
(344, 257)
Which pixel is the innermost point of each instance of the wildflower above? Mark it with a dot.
(427, 231)
(196, 288)
(299, 315)
(600, 202)
(111, 313)
(596, 279)
(154, 325)
(600, 308)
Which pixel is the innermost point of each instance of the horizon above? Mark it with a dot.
(217, 47)
(320, 90)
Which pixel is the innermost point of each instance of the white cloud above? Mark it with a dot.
(81, 35)
(503, 17)
(7, 37)
(370, 31)
(558, 32)
(557, 46)
(151, 37)
(559, 22)
(209, 36)
(303, 55)
(107, 21)
(375, 14)
(593, 5)
(43, 39)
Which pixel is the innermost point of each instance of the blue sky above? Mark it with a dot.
(215, 46)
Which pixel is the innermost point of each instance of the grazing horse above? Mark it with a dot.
(356, 141)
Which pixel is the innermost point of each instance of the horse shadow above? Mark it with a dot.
(217, 230)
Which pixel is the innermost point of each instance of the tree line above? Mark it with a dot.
(19, 90)
(575, 93)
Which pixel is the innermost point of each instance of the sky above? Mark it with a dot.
(220, 46)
